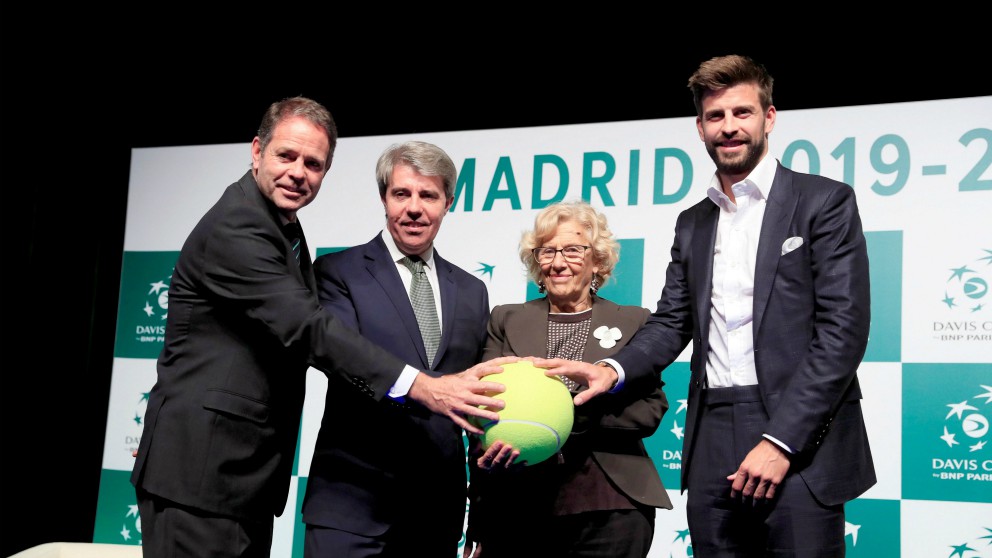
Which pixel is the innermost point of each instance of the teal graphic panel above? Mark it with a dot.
(665, 446)
(117, 519)
(532, 291)
(872, 528)
(885, 272)
(322, 251)
(144, 303)
(946, 452)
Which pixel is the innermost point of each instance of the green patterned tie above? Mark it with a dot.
(422, 299)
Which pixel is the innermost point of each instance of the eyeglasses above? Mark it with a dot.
(546, 254)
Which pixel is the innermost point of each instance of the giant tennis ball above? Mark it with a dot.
(538, 415)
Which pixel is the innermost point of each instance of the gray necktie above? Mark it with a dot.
(422, 299)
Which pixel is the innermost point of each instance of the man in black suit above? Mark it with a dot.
(769, 280)
(386, 481)
(244, 324)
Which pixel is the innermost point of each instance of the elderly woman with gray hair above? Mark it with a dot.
(598, 496)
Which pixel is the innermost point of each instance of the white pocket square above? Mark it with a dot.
(791, 244)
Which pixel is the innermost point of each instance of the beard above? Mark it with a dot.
(738, 163)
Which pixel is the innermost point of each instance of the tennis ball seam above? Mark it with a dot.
(529, 423)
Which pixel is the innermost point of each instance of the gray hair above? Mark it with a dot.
(427, 158)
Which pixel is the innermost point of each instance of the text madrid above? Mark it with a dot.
(598, 170)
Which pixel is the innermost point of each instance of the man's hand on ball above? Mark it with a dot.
(598, 379)
(462, 395)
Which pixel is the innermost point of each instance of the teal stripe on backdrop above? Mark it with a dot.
(885, 273)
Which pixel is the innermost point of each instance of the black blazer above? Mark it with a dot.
(244, 325)
(811, 320)
(608, 429)
(375, 461)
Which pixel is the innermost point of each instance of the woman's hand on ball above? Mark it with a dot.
(500, 455)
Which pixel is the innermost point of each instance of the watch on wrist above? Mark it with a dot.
(616, 380)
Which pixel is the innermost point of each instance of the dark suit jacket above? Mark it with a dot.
(376, 461)
(608, 430)
(811, 319)
(243, 327)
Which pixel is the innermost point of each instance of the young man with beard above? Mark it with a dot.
(769, 281)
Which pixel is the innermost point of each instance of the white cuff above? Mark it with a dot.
(620, 376)
(403, 383)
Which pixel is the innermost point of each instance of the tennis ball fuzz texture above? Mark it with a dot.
(538, 415)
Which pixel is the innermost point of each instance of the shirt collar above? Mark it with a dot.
(760, 179)
(394, 251)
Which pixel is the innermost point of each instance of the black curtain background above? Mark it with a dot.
(76, 99)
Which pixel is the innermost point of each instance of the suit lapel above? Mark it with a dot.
(529, 334)
(449, 294)
(606, 313)
(382, 268)
(306, 264)
(249, 188)
(703, 242)
(779, 209)
(600, 316)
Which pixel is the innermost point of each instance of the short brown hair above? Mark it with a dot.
(303, 107)
(726, 71)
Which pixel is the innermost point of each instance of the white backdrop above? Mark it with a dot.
(922, 175)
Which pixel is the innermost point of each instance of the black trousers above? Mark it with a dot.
(792, 524)
(400, 541)
(592, 534)
(171, 530)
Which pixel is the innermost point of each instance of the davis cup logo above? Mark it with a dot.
(131, 528)
(967, 289)
(157, 300)
(118, 520)
(966, 299)
(156, 309)
(144, 303)
(966, 434)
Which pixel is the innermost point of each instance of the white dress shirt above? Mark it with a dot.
(730, 361)
(731, 358)
(403, 383)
